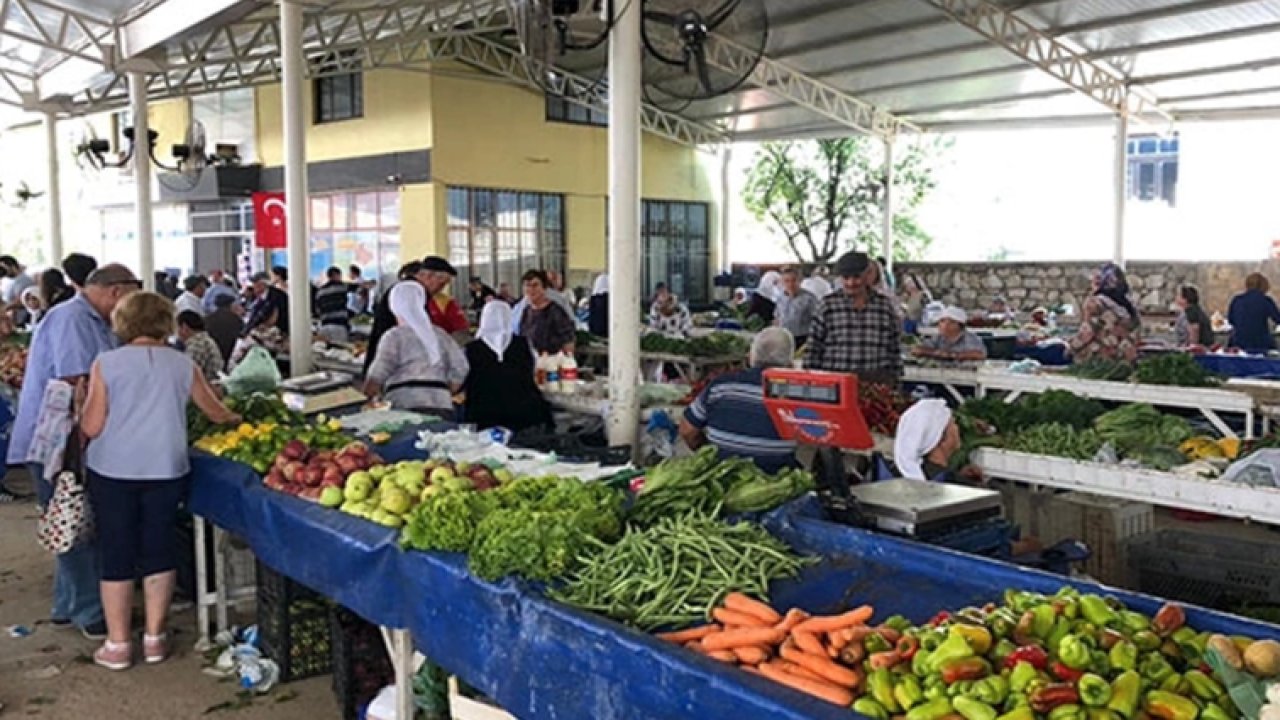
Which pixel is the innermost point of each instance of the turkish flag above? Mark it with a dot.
(269, 221)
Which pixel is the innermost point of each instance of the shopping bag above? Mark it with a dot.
(67, 520)
(256, 373)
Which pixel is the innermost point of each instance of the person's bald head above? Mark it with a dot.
(109, 284)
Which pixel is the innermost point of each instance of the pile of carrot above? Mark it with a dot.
(813, 654)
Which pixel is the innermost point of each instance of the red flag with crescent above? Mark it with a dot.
(269, 228)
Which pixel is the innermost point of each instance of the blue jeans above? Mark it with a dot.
(76, 573)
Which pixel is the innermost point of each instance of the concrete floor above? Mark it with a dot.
(49, 675)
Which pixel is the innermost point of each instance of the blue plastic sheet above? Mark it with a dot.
(1240, 366)
(1049, 356)
(541, 660)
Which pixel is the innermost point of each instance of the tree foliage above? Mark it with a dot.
(826, 196)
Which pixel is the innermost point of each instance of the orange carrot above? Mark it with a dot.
(823, 667)
(744, 637)
(694, 645)
(751, 669)
(857, 616)
(743, 604)
(884, 660)
(808, 642)
(816, 688)
(794, 617)
(723, 656)
(890, 635)
(729, 617)
(693, 633)
(794, 669)
(832, 651)
(837, 639)
(751, 655)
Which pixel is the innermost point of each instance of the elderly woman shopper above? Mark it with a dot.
(500, 387)
(547, 326)
(419, 367)
(764, 300)
(953, 341)
(926, 439)
(135, 416)
(671, 317)
(1109, 322)
(1252, 315)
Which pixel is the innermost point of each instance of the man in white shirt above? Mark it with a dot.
(193, 298)
(18, 278)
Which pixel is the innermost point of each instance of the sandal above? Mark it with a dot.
(155, 648)
(113, 656)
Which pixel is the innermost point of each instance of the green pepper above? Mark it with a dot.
(1067, 607)
(1095, 610)
(1061, 629)
(1154, 667)
(1169, 706)
(932, 710)
(908, 692)
(1126, 691)
(958, 688)
(1074, 652)
(1146, 640)
(933, 692)
(1002, 622)
(992, 690)
(897, 622)
(1176, 684)
(1067, 591)
(1024, 601)
(1094, 690)
(1021, 712)
(1193, 648)
(932, 639)
(1004, 647)
(875, 642)
(972, 709)
(970, 616)
(1134, 622)
(1100, 663)
(1101, 714)
(1183, 635)
(1203, 686)
(920, 662)
(1042, 620)
(1214, 711)
(870, 708)
(880, 683)
(955, 647)
(1067, 712)
(979, 638)
(1123, 655)
(1022, 675)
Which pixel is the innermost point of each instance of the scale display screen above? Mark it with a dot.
(829, 394)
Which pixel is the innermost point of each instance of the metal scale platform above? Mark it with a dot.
(320, 392)
(924, 510)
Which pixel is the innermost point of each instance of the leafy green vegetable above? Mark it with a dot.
(702, 482)
(1138, 426)
(1058, 440)
(1173, 369)
(1101, 369)
(1053, 406)
(718, 344)
(447, 521)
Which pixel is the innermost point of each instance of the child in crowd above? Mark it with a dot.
(135, 419)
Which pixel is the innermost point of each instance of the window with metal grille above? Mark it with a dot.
(498, 235)
(339, 94)
(676, 249)
(562, 109)
(1153, 168)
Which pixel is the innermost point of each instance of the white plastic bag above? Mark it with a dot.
(256, 373)
(1261, 469)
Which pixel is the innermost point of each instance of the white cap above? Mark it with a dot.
(951, 312)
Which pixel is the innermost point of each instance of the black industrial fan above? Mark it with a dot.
(699, 49)
(564, 35)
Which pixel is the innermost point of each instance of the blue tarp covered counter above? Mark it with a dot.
(1240, 366)
(539, 659)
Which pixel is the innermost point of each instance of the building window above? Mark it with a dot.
(676, 249)
(1153, 168)
(355, 228)
(339, 95)
(498, 235)
(562, 109)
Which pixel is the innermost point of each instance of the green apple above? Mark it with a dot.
(331, 497)
(349, 507)
(462, 467)
(396, 501)
(407, 476)
(358, 487)
(503, 475)
(458, 484)
(428, 491)
(377, 472)
(440, 474)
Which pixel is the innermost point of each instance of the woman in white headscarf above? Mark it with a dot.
(816, 285)
(500, 389)
(598, 307)
(927, 437)
(418, 366)
(765, 299)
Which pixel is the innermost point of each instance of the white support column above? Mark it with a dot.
(886, 232)
(624, 225)
(292, 67)
(142, 179)
(722, 232)
(53, 188)
(1120, 176)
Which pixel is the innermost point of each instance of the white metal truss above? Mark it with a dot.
(1094, 78)
(58, 32)
(805, 91)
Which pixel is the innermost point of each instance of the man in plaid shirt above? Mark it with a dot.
(856, 331)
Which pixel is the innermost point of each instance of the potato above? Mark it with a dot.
(1263, 658)
(1227, 649)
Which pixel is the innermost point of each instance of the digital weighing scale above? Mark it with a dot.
(821, 409)
(320, 392)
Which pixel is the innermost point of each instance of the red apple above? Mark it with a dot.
(295, 450)
(332, 477)
(373, 459)
(324, 456)
(280, 461)
(292, 472)
(356, 448)
(348, 464)
(312, 476)
(274, 480)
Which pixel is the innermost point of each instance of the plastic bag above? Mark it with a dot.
(1261, 469)
(256, 373)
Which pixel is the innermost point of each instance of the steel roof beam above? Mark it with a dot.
(1094, 78)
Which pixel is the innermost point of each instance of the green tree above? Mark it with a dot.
(826, 196)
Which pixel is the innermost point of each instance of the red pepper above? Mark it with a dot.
(1064, 673)
(1031, 654)
(970, 668)
(1204, 668)
(938, 619)
(1049, 697)
(908, 646)
(1170, 618)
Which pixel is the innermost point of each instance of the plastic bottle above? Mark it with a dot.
(553, 372)
(569, 374)
(540, 371)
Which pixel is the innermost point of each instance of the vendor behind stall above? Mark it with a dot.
(730, 412)
(926, 439)
(953, 341)
(419, 366)
(856, 330)
(1193, 326)
(671, 317)
(1251, 315)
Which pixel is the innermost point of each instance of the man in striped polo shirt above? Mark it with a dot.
(730, 413)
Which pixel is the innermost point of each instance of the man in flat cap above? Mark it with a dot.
(856, 330)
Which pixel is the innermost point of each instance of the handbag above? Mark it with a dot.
(67, 520)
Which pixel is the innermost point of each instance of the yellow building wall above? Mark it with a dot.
(397, 117)
(170, 119)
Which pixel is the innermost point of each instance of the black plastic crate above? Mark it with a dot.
(293, 626)
(582, 445)
(1214, 571)
(361, 665)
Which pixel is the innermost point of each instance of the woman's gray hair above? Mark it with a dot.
(773, 347)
